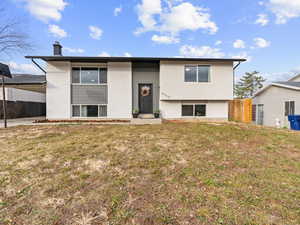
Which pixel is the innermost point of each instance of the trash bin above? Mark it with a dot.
(295, 122)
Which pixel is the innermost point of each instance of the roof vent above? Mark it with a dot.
(57, 49)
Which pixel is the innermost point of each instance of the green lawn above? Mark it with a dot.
(174, 173)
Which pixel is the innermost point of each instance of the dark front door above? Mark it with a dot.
(145, 98)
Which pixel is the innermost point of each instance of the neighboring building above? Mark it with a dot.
(25, 96)
(112, 87)
(273, 104)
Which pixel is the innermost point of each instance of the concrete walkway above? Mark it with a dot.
(20, 121)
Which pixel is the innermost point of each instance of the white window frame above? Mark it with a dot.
(194, 110)
(199, 65)
(80, 68)
(84, 117)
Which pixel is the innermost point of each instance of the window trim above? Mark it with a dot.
(197, 78)
(194, 110)
(84, 117)
(80, 69)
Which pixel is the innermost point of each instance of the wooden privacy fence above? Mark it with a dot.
(240, 110)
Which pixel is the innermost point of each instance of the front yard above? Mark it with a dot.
(161, 174)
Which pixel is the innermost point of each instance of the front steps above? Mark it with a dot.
(146, 116)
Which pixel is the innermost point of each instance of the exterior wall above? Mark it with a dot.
(119, 79)
(58, 94)
(145, 73)
(215, 110)
(274, 100)
(173, 87)
(13, 94)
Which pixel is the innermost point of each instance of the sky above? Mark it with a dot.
(265, 32)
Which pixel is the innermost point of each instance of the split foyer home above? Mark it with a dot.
(113, 87)
(273, 104)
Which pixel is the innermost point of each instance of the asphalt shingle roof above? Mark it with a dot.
(290, 83)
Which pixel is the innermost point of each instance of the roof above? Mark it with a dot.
(20, 79)
(294, 78)
(129, 59)
(287, 85)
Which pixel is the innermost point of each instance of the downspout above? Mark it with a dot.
(35, 63)
(234, 68)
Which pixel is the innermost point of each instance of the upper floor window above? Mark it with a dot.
(89, 75)
(197, 73)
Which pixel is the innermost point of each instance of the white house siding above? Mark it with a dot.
(58, 94)
(173, 87)
(274, 99)
(13, 94)
(215, 110)
(119, 79)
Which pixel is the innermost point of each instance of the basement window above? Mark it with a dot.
(197, 110)
(86, 111)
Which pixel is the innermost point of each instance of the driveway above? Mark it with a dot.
(20, 121)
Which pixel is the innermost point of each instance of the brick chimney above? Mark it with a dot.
(57, 49)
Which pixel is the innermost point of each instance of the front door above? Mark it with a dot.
(145, 98)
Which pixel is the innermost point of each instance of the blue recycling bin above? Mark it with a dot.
(295, 122)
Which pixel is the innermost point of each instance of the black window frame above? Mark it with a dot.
(197, 80)
(104, 115)
(101, 75)
(194, 106)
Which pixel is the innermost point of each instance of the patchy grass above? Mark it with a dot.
(161, 174)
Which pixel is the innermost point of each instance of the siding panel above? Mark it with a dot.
(89, 94)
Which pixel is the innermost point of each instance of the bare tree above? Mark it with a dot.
(12, 38)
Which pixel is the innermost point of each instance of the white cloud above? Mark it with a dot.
(284, 10)
(127, 54)
(187, 17)
(95, 32)
(104, 54)
(45, 10)
(56, 31)
(243, 55)
(261, 43)
(173, 19)
(165, 39)
(239, 44)
(201, 51)
(23, 68)
(146, 11)
(74, 50)
(118, 10)
(218, 42)
(262, 19)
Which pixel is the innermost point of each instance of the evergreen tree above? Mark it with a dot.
(248, 85)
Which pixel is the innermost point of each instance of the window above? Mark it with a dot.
(193, 110)
(76, 111)
(289, 108)
(197, 73)
(187, 110)
(89, 111)
(200, 110)
(89, 76)
(76, 75)
(86, 75)
(254, 113)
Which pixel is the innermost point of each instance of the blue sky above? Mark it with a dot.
(266, 32)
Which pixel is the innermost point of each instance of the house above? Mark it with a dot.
(25, 96)
(273, 104)
(112, 87)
